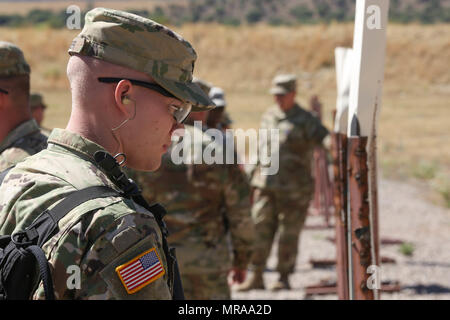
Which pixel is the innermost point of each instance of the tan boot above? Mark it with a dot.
(255, 281)
(281, 284)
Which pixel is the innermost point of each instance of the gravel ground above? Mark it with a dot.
(405, 215)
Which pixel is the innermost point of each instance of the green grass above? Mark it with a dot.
(407, 249)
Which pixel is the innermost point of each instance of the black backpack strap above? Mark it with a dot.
(178, 291)
(4, 173)
(46, 224)
(44, 271)
(158, 212)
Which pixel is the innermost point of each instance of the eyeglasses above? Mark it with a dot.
(180, 113)
(3, 91)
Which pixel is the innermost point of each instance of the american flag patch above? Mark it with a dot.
(141, 271)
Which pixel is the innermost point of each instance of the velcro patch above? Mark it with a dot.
(141, 271)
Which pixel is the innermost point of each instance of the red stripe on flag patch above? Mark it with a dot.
(140, 271)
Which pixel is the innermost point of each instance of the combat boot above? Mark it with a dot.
(255, 281)
(281, 284)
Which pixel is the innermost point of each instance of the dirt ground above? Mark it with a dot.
(404, 215)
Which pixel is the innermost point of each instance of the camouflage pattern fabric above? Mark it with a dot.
(281, 201)
(24, 140)
(193, 195)
(282, 212)
(36, 100)
(208, 286)
(299, 133)
(141, 44)
(12, 61)
(98, 236)
(226, 121)
(283, 83)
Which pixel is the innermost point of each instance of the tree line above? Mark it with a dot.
(273, 12)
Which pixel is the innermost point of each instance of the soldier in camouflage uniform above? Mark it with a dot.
(19, 134)
(193, 194)
(38, 107)
(280, 201)
(131, 88)
(200, 116)
(218, 118)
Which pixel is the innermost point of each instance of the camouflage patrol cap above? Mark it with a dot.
(12, 61)
(217, 96)
(36, 100)
(283, 83)
(141, 44)
(205, 86)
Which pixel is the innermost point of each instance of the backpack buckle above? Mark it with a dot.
(24, 238)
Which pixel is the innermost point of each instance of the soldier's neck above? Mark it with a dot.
(95, 132)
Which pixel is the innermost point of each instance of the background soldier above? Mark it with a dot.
(131, 88)
(19, 133)
(218, 118)
(38, 107)
(281, 201)
(194, 196)
(201, 116)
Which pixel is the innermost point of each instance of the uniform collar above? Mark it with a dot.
(74, 142)
(22, 130)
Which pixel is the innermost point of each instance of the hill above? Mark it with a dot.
(230, 12)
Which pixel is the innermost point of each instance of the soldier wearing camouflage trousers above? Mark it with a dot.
(281, 201)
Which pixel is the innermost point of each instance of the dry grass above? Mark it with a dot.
(415, 118)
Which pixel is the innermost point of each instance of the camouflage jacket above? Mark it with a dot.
(26, 139)
(100, 236)
(299, 133)
(204, 204)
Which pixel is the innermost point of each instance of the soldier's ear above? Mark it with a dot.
(122, 93)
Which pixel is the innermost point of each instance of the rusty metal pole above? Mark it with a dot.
(373, 200)
(317, 191)
(315, 107)
(361, 238)
(373, 181)
(327, 187)
(323, 197)
(339, 154)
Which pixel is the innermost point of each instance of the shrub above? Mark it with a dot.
(254, 15)
(302, 13)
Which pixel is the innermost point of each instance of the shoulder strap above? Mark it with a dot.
(44, 271)
(158, 212)
(46, 224)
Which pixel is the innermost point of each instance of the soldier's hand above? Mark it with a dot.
(236, 276)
